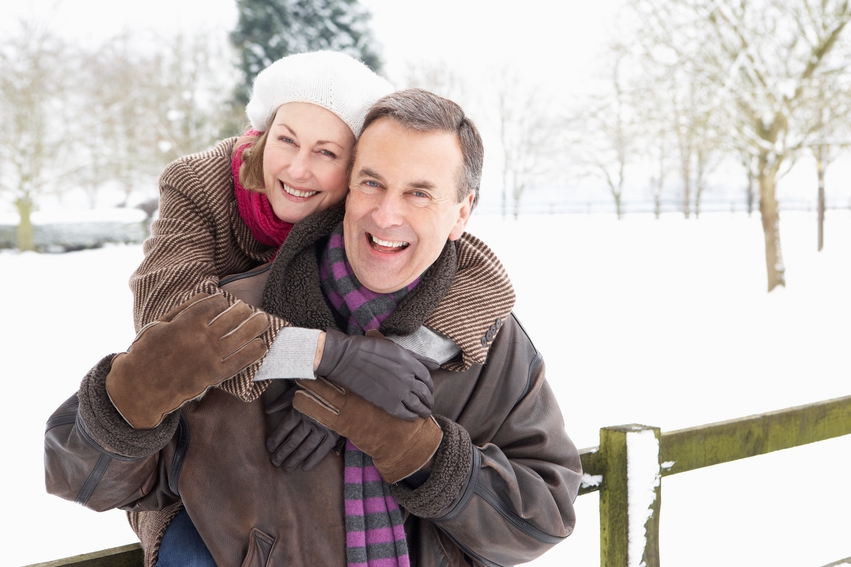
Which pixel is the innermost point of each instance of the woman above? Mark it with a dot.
(227, 210)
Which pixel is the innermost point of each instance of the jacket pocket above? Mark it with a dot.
(259, 549)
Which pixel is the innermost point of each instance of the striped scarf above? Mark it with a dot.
(363, 308)
(375, 534)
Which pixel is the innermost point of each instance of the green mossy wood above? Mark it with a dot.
(124, 556)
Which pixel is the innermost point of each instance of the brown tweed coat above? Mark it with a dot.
(198, 239)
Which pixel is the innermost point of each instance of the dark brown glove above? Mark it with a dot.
(398, 448)
(380, 371)
(295, 439)
(175, 359)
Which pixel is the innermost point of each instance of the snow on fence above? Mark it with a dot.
(627, 469)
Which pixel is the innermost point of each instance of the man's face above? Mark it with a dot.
(402, 204)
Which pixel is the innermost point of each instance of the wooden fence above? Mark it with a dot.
(629, 465)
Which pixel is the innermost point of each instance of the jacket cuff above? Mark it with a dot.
(107, 428)
(449, 475)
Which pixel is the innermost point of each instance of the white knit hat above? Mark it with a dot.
(329, 79)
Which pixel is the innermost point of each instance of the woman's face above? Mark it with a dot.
(306, 160)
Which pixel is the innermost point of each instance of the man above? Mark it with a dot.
(488, 478)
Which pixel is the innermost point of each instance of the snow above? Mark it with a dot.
(66, 216)
(643, 476)
(662, 323)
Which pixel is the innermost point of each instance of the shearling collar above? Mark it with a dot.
(465, 295)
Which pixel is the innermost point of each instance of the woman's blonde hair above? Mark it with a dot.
(251, 171)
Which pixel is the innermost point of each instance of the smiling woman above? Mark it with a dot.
(306, 160)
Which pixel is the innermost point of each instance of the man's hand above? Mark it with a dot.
(197, 345)
(398, 448)
(295, 439)
(381, 372)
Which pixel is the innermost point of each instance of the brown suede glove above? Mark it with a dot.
(175, 359)
(399, 448)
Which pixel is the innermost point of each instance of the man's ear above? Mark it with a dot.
(463, 217)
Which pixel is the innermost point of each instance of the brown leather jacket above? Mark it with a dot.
(504, 479)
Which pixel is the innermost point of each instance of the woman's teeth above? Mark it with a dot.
(297, 193)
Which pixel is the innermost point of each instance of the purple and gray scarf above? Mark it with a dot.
(375, 534)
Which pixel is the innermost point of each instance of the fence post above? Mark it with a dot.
(630, 496)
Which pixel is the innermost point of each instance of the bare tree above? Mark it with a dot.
(824, 152)
(188, 98)
(765, 60)
(121, 147)
(36, 104)
(658, 151)
(529, 130)
(604, 137)
(150, 106)
(833, 138)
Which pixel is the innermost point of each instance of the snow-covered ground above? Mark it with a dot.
(663, 323)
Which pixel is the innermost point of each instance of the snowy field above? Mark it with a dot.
(663, 323)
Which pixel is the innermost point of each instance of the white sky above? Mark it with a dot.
(548, 39)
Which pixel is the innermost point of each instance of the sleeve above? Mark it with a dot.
(291, 355)
(503, 486)
(192, 231)
(92, 457)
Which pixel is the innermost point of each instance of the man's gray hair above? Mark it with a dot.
(424, 111)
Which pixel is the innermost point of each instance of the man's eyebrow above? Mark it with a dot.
(367, 172)
(421, 185)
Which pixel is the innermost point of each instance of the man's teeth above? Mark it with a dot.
(389, 243)
(297, 193)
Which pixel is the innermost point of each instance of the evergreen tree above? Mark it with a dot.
(270, 29)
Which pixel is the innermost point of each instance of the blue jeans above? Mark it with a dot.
(182, 546)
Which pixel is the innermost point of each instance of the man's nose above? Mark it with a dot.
(388, 211)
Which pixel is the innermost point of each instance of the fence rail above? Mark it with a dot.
(610, 468)
(631, 456)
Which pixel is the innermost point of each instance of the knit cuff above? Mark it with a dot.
(105, 425)
(291, 355)
(449, 474)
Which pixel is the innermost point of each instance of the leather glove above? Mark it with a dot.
(398, 448)
(175, 359)
(380, 371)
(295, 439)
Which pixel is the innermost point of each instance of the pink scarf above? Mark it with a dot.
(255, 208)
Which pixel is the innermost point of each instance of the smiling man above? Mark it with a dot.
(476, 469)
(403, 203)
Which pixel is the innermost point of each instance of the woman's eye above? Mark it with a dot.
(328, 153)
(286, 140)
